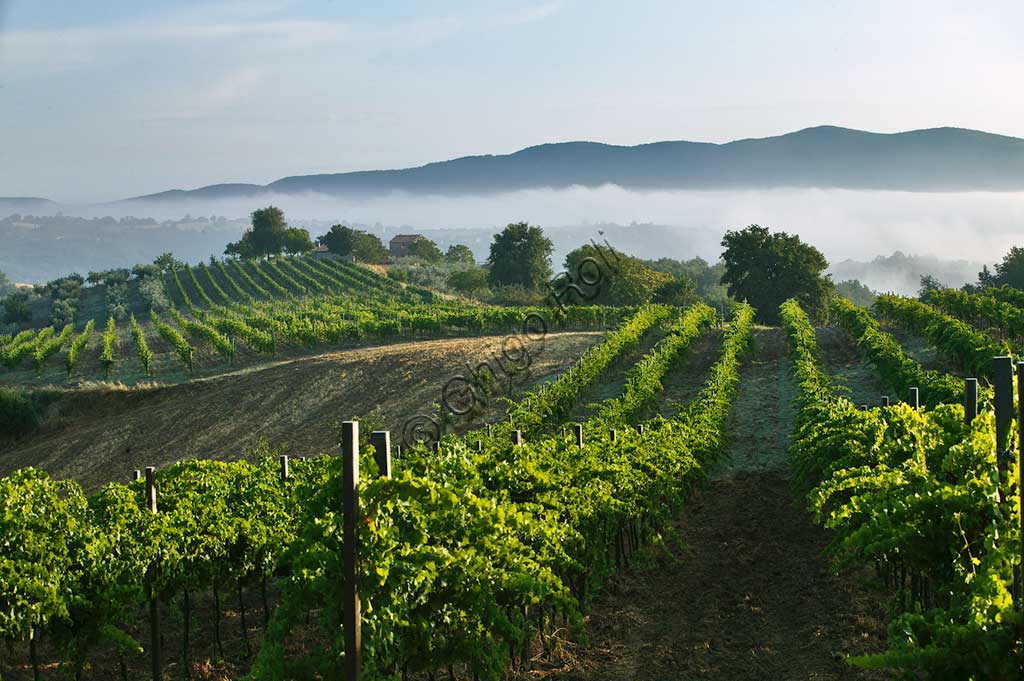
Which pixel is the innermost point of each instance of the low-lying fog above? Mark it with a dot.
(976, 226)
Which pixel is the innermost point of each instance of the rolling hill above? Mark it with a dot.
(939, 159)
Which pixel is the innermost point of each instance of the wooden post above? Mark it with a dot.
(381, 441)
(1002, 382)
(885, 400)
(578, 428)
(611, 434)
(971, 399)
(154, 598)
(915, 398)
(640, 429)
(863, 407)
(136, 474)
(490, 429)
(283, 459)
(350, 536)
(151, 489)
(479, 445)
(437, 445)
(517, 437)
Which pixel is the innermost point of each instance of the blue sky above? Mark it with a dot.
(102, 100)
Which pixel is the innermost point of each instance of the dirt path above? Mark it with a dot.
(743, 591)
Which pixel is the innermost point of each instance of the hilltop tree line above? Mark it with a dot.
(757, 265)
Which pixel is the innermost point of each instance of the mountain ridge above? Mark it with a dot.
(934, 159)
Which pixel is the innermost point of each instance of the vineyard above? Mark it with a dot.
(239, 313)
(489, 552)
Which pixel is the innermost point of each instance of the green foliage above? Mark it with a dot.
(468, 281)
(1010, 271)
(173, 338)
(425, 249)
(23, 345)
(16, 308)
(142, 350)
(971, 350)
(605, 276)
(544, 515)
(78, 345)
(109, 340)
(766, 268)
(203, 295)
(210, 281)
(166, 262)
(856, 292)
(365, 247)
(895, 366)
(154, 293)
(236, 290)
(644, 379)
(997, 309)
(182, 293)
(555, 399)
(459, 253)
(63, 312)
(46, 349)
(270, 235)
(296, 240)
(678, 292)
(453, 549)
(919, 494)
(520, 256)
(201, 332)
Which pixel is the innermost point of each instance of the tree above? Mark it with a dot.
(856, 292)
(296, 240)
(681, 291)
(425, 249)
(363, 246)
(1010, 272)
(520, 256)
(607, 277)
(765, 269)
(16, 308)
(166, 262)
(468, 281)
(457, 253)
(269, 235)
(929, 284)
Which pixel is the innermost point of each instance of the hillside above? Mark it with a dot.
(99, 432)
(939, 159)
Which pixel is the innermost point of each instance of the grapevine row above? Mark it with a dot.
(894, 365)
(972, 350)
(920, 496)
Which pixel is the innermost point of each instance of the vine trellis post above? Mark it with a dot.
(351, 619)
(154, 597)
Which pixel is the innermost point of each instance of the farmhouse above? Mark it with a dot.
(401, 244)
